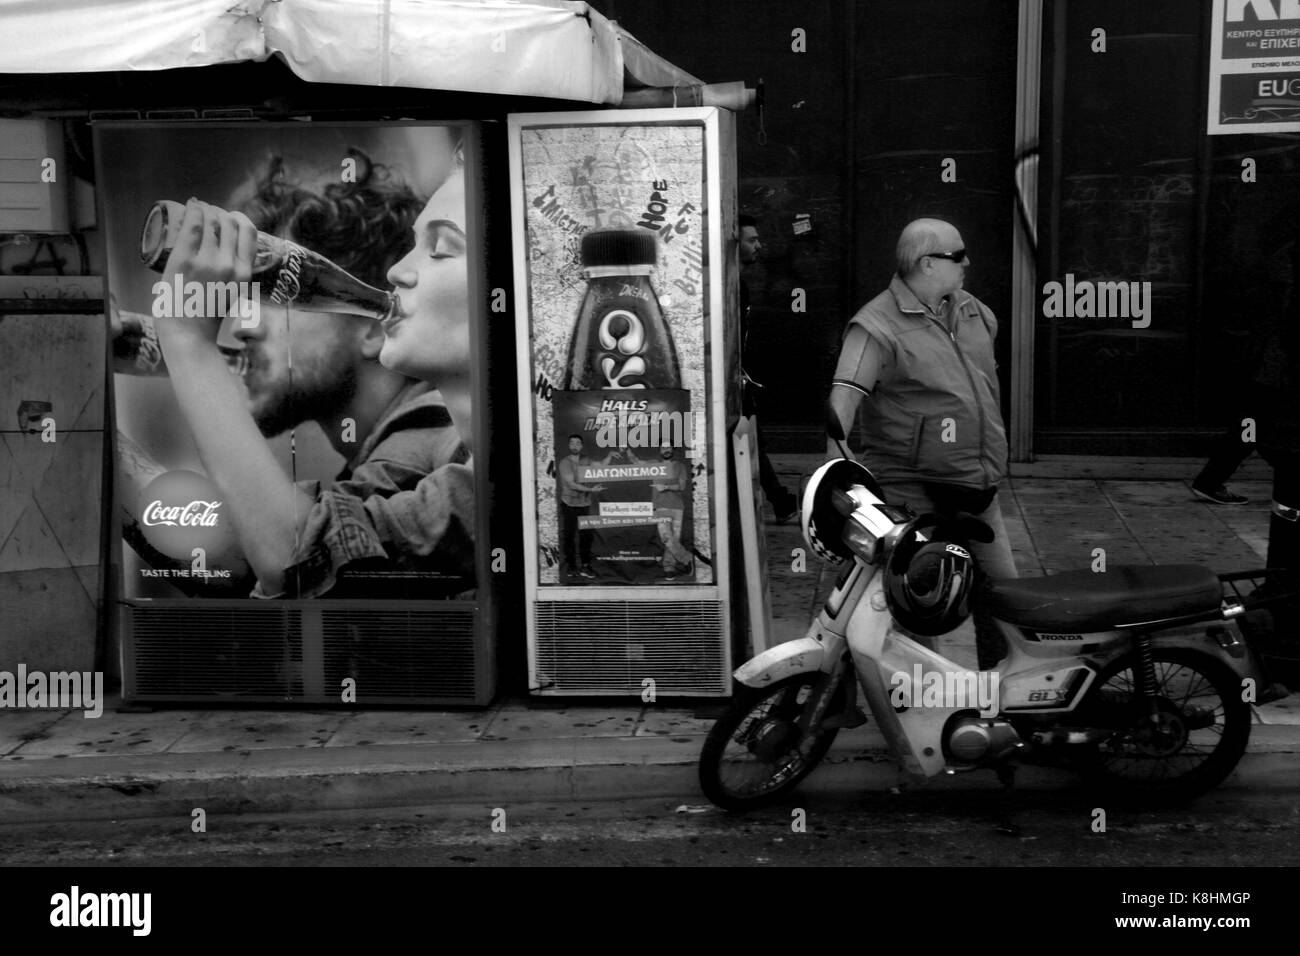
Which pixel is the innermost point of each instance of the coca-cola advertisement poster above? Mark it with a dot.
(619, 349)
(291, 344)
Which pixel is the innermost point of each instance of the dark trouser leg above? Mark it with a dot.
(1226, 457)
(996, 559)
(772, 487)
(584, 543)
(990, 645)
(569, 534)
(782, 501)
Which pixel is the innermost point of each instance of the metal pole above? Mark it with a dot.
(1024, 279)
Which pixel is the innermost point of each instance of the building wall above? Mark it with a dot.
(51, 469)
(861, 110)
(1134, 190)
(860, 124)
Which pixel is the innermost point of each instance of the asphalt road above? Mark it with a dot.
(1250, 827)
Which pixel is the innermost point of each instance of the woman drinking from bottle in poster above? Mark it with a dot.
(303, 539)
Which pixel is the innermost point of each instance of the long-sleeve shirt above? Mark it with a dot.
(400, 519)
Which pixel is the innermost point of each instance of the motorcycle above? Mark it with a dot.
(1136, 676)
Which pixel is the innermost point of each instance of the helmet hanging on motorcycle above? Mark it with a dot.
(930, 578)
(821, 523)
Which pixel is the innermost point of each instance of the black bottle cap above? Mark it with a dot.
(619, 247)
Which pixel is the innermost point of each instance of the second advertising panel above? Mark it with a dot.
(616, 269)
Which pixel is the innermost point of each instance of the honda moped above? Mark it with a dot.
(1137, 676)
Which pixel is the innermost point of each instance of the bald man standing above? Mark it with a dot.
(921, 355)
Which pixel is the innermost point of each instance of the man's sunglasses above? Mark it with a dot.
(957, 256)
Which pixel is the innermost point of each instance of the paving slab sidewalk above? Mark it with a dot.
(61, 766)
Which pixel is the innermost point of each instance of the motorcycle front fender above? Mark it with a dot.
(803, 656)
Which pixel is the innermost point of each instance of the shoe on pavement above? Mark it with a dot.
(786, 510)
(1219, 496)
(586, 572)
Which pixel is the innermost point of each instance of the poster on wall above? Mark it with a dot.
(617, 310)
(294, 359)
(1255, 67)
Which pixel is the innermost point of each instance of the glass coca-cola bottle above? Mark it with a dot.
(286, 273)
(621, 339)
(136, 350)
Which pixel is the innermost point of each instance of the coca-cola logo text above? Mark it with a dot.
(196, 514)
(287, 283)
(181, 512)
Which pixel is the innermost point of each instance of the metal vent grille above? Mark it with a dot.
(230, 653)
(398, 655)
(255, 652)
(611, 647)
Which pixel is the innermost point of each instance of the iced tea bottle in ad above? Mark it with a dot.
(621, 339)
(286, 273)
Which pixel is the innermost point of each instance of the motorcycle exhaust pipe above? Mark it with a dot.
(1059, 736)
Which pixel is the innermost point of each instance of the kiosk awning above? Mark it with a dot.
(553, 48)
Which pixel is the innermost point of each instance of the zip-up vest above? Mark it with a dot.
(934, 413)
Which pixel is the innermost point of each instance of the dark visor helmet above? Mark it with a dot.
(930, 577)
(822, 524)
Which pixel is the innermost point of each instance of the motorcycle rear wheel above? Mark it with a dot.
(756, 753)
(1201, 732)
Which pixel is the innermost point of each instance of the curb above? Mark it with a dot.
(590, 769)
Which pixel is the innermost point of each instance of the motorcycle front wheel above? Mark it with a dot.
(756, 753)
(1200, 729)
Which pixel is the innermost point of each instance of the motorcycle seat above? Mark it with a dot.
(1081, 602)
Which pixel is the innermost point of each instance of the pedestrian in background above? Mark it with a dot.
(784, 502)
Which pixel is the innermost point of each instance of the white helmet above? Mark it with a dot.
(821, 523)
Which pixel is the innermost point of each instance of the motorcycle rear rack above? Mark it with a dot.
(1240, 590)
(1243, 587)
